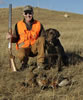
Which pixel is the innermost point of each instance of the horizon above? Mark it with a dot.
(66, 6)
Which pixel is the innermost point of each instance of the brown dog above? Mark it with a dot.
(54, 48)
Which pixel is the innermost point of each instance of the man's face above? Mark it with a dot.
(28, 15)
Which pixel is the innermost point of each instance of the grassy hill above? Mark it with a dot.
(71, 30)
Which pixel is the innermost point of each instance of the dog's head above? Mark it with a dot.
(52, 34)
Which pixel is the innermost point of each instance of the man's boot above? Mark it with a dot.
(24, 64)
(39, 69)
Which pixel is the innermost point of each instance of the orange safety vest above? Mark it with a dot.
(27, 37)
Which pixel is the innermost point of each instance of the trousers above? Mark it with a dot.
(37, 49)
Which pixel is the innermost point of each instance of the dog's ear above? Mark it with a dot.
(47, 31)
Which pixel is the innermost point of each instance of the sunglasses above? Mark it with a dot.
(28, 12)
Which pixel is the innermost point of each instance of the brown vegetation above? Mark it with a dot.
(71, 29)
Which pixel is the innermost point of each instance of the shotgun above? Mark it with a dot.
(12, 58)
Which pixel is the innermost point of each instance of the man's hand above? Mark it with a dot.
(8, 36)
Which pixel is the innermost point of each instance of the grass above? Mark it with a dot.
(71, 30)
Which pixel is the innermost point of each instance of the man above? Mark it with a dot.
(29, 38)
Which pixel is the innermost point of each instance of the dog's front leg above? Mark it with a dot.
(59, 59)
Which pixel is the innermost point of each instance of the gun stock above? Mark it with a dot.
(12, 58)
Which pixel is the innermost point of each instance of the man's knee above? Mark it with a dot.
(41, 39)
(20, 54)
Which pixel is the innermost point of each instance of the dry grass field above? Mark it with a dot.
(71, 30)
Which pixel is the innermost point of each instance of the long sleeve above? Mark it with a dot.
(15, 36)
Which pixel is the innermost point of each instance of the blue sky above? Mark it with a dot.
(75, 6)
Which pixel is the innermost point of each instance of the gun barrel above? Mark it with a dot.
(10, 16)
